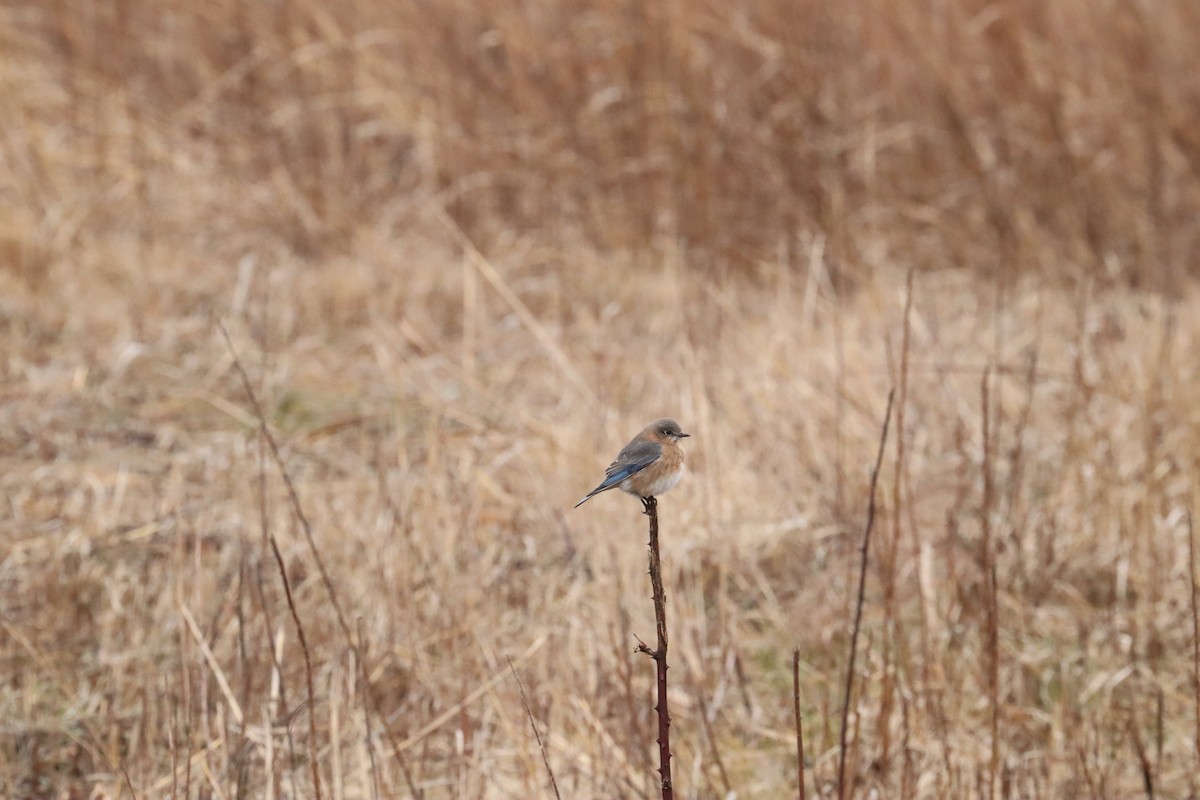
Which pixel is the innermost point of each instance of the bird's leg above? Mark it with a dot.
(648, 504)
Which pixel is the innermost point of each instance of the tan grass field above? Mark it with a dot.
(464, 250)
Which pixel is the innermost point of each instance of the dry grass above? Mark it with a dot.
(464, 250)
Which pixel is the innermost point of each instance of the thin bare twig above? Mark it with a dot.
(360, 656)
(1087, 774)
(799, 725)
(659, 654)
(862, 583)
(988, 565)
(166, 692)
(128, 781)
(1139, 748)
(308, 673)
(362, 653)
(533, 724)
(1195, 629)
(906, 775)
(706, 723)
(293, 496)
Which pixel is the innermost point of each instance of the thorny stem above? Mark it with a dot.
(659, 654)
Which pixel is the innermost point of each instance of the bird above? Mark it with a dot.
(652, 463)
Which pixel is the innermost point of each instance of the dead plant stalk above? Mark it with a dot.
(858, 609)
(659, 653)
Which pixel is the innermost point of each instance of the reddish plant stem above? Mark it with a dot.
(659, 653)
(799, 724)
(308, 670)
(858, 609)
(1195, 602)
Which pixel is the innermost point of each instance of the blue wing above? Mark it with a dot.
(635, 457)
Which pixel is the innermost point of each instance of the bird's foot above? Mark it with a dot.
(648, 504)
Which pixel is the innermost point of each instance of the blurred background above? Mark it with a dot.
(464, 251)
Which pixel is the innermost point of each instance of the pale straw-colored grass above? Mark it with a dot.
(464, 251)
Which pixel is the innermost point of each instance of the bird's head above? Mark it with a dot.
(666, 430)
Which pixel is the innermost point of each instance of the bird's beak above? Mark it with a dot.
(684, 435)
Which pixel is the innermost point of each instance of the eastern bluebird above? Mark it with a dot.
(649, 465)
